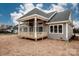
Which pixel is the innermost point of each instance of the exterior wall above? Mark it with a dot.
(45, 28)
(62, 36)
(70, 31)
(58, 35)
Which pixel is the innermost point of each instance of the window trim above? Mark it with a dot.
(49, 28)
(54, 27)
(57, 28)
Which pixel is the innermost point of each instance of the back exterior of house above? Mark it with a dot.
(37, 24)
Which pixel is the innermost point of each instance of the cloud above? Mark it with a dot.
(58, 7)
(21, 7)
(24, 8)
(75, 8)
(39, 5)
(53, 7)
(28, 7)
(74, 5)
(15, 16)
(62, 4)
(76, 24)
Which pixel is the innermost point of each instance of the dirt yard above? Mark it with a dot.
(11, 45)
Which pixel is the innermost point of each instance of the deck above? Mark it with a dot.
(31, 35)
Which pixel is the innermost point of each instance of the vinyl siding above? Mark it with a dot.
(70, 31)
(58, 36)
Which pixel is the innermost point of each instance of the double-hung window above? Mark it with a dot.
(51, 29)
(60, 28)
(55, 29)
(40, 29)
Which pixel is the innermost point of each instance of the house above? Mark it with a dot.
(5, 28)
(15, 29)
(37, 24)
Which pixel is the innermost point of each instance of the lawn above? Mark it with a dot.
(11, 45)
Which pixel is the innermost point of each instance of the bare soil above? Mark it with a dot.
(11, 45)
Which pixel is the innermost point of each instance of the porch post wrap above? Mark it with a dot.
(28, 28)
(35, 27)
(66, 31)
(19, 27)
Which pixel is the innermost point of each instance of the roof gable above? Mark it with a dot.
(51, 17)
(61, 16)
(39, 12)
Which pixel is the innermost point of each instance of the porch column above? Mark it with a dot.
(66, 31)
(28, 26)
(18, 27)
(42, 31)
(35, 25)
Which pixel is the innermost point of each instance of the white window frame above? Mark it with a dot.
(57, 29)
(49, 28)
(62, 28)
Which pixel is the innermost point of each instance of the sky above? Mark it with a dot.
(10, 12)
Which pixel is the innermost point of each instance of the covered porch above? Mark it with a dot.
(34, 28)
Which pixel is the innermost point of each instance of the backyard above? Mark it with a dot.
(11, 45)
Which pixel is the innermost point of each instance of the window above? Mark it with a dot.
(20, 29)
(31, 29)
(25, 29)
(40, 29)
(51, 29)
(60, 28)
(55, 29)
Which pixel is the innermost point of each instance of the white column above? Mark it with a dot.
(28, 29)
(19, 27)
(42, 31)
(35, 22)
(66, 31)
(28, 26)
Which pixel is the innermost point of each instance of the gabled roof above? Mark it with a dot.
(39, 12)
(51, 17)
(61, 16)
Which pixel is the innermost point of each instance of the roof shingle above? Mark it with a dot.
(61, 16)
(39, 12)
